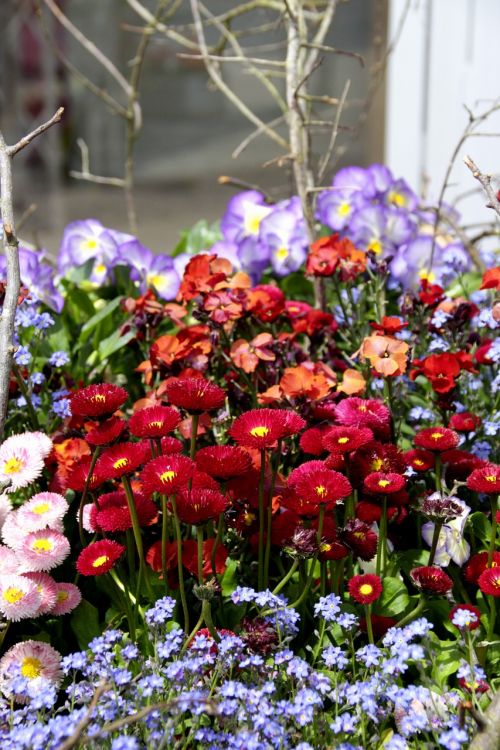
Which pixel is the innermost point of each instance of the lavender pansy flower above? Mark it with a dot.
(243, 216)
(380, 229)
(83, 240)
(285, 237)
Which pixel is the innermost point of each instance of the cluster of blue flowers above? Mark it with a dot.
(226, 696)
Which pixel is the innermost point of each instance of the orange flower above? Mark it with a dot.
(203, 273)
(247, 354)
(310, 380)
(491, 279)
(352, 383)
(386, 354)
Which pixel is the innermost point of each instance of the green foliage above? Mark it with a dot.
(85, 623)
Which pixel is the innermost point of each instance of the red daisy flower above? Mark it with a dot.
(489, 581)
(171, 445)
(364, 412)
(335, 461)
(476, 564)
(436, 439)
(473, 624)
(460, 463)
(376, 457)
(167, 474)
(106, 432)
(430, 579)
(346, 439)
(365, 589)
(311, 441)
(292, 422)
(77, 477)
(465, 422)
(99, 557)
(419, 460)
(485, 480)
(122, 459)
(154, 421)
(384, 483)
(260, 428)
(97, 400)
(202, 480)
(360, 538)
(200, 505)
(223, 461)
(195, 394)
(316, 485)
(112, 513)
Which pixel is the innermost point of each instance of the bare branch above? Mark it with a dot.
(320, 36)
(255, 134)
(485, 182)
(13, 150)
(336, 51)
(87, 175)
(234, 181)
(488, 738)
(82, 725)
(238, 59)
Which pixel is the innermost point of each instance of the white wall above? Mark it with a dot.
(447, 56)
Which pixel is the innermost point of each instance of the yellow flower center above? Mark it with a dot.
(325, 547)
(121, 463)
(41, 508)
(253, 217)
(366, 589)
(100, 561)
(429, 276)
(248, 518)
(42, 545)
(62, 596)
(99, 397)
(31, 667)
(282, 253)
(13, 465)
(377, 464)
(158, 424)
(100, 268)
(343, 440)
(491, 478)
(344, 209)
(418, 462)
(89, 244)
(383, 482)
(167, 476)
(375, 246)
(320, 490)
(157, 280)
(260, 431)
(13, 595)
(362, 407)
(436, 435)
(397, 199)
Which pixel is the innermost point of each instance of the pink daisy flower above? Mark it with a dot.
(46, 588)
(42, 440)
(42, 510)
(68, 597)
(8, 561)
(88, 523)
(43, 550)
(33, 659)
(19, 597)
(5, 509)
(21, 462)
(12, 532)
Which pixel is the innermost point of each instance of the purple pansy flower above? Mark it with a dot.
(83, 240)
(283, 233)
(380, 229)
(243, 216)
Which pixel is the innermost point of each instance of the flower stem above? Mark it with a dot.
(207, 616)
(195, 418)
(307, 586)
(138, 538)
(437, 472)
(281, 585)
(124, 598)
(217, 541)
(4, 632)
(494, 524)
(27, 397)
(164, 535)
(369, 627)
(182, 590)
(261, 519)
(414, 613)
(435, 539)
(93, 462)
(267, 556)
(382, 535)
(199, 540)
(491, 619)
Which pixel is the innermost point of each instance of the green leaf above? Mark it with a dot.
(445, 661)
(85, 623)
(394, 598)
(113, 343)
(228, 581)
(480, 525)
(101, 315)
(411, 558)
(297, 286)
(200, 237)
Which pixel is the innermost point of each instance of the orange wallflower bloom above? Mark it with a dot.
(353, 382)
(247, 354)
(386, 354)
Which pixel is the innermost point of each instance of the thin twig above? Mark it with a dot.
(235, 182)
(485, 182)
(234, 58)
(336, 51)
(13, 150)
(87, 175)
(82, 725)
(255, 134)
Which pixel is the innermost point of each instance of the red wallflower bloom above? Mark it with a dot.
(199, 505)
(491, 279)
(360, 538)
(154, 421)
(431, 294)
(195, 394)
(486, 479)
(465, 422)
(469, 608)
(346, 439)
(190, 557)
(481, 353)
(223, 461)
(99, 557)
(440, 369)
(166, 474)
(420, 460)
(305, 319)
(171, 445)
(329, 254)
(260, 428)
(112, 513)
(431, 579)
(97, 400)
(478, 686)
(389, 325)
(489, 581)
(384, 483)
(317, 485)
(364, 412)
(266, 302)
(202, 274)
(247, 354)
(365, 589)
(122, 459)
(153, 557)
(476, 564)
(436, 439)
(106, 432)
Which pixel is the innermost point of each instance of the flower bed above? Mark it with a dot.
(252, 501)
